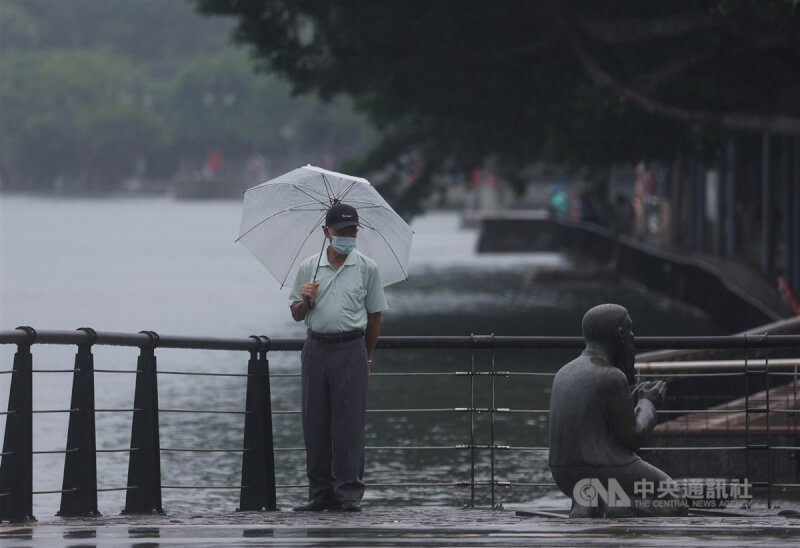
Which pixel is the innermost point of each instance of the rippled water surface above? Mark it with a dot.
(173, 267)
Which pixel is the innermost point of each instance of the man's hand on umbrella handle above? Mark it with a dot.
(309, 293)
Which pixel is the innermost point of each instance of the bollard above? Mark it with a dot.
(16, 468)
(79, 490)
(258, 458)
(144, 464)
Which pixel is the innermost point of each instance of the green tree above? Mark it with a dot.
(578, 81)
(92, 92)
(74, 115)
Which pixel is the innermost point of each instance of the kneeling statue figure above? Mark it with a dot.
(599, 417)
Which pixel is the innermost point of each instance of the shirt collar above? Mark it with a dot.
(350, 260)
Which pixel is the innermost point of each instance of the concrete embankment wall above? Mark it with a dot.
(685, 278)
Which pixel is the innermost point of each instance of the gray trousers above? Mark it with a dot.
(334, 386)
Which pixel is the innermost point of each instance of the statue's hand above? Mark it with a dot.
(655, 391)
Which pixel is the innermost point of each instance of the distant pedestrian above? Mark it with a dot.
(623, 215)
(339, 295)
(559, 202)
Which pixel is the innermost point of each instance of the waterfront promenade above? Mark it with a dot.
(409, 526)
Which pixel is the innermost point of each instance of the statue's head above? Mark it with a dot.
(610, 328)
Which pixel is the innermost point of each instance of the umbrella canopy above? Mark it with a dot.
(281, 222)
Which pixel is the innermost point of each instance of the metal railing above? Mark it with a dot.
(257, 490)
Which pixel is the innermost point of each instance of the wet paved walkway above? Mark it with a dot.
(417, 526)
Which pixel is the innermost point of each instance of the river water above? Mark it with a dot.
(173, 267)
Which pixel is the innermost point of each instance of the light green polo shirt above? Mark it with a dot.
(344, 297)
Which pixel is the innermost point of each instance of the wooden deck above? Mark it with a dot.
(732, 417)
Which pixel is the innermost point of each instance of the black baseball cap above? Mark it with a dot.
(341, 216)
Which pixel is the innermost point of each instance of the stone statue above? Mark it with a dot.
(599, 417)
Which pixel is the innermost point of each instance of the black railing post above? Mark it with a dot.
(491, 424)
(79, 490)
(472, 426)
(767, 436)
(16, 469)
(258, 458)
(144, 464)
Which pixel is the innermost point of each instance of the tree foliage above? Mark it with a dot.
(576, 81)
(93, 92)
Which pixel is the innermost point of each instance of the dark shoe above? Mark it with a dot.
(350, 506)
(318, 505)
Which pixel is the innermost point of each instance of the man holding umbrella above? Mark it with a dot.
(339, 295)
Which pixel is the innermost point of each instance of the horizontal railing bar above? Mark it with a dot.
(106, 338)
(6, 372)
(755, 364)
(7, 412)
(118, 488)
(430, 410)
(117, 410)
(203, 411)
(425, 447)
(53, 370)
(529, 484)
(694, 448)
(122, 450)
(506, 410)
(198, 374)
(82, 337)
(786, 484)
(124, 371)
(415, 447)
(205, 486)
(189, 450)
(684, 375)
(72, 490)
(425, 374)
(53, 451)
(421, 484)
(731, 410)
(75, 410)
(435, 410)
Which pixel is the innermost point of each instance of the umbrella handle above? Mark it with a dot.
(309, 303)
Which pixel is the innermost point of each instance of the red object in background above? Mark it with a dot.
(214, 161)
(475, 178)
(787, 293)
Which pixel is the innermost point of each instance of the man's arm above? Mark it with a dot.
(301, 308)
(373, 330)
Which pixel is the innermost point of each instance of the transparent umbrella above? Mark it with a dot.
(281, 222)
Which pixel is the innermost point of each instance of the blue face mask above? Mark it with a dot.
(343, 245)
